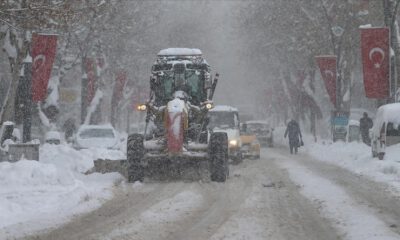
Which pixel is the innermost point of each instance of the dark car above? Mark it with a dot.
(263, 131)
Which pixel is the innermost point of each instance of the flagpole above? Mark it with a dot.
(27, 109)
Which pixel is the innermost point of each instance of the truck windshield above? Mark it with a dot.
(189, 81)
(221, 119)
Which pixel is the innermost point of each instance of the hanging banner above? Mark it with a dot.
(375, 59)
(43, 53)
(90, 68)
(327, 67)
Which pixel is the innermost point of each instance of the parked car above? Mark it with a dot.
(97, 136)
(386, 129)
(263, 131)
(250, 144)
(53, 137)
(226, 119)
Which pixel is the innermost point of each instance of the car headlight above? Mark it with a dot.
(233, 142)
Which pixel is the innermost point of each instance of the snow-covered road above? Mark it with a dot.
(278, 197)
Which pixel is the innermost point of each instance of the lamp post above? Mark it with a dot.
(27, 101)
(337, 32)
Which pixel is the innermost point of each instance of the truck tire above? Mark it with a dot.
(135, 153)
(219, 157)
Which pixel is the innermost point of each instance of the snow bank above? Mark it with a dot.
(357, 158)
(37, 195)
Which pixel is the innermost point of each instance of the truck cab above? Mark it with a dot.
(386, 129)
(226, 119)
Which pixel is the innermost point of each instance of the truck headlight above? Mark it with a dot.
(233, 143)
(209, 106)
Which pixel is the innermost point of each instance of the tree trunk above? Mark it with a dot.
(396, 49)
(8, 113)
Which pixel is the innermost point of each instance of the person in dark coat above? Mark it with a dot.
(365, 124)
(294, 133)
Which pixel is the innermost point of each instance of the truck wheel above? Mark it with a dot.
(381, 155)
(219, 157)
(135, 152)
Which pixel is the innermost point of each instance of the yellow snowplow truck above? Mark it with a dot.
(181, 92)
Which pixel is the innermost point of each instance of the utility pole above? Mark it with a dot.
(27, 105)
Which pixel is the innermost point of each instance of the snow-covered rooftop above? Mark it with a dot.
(180, 51)
(224, 108)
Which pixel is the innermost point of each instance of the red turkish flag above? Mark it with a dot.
(43, 54)
(327, 67)
(375, 59)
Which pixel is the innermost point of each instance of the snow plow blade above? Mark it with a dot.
(107, 165)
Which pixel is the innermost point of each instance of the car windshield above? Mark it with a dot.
(255, 127)
(97, 133)
(222, 119)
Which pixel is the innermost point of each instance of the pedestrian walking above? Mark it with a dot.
(365, 124)
(295, 137)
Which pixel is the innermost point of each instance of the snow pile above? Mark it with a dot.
(357, 158)
(36, 195)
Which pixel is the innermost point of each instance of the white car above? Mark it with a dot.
(226, 119)
(386, 129)
(97, 136)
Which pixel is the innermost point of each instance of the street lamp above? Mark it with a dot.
(27, 100)
(337, 32)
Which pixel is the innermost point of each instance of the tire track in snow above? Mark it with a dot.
(352, 219)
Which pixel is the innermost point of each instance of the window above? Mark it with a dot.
(97, 133)
(222, 119)
(392, 130)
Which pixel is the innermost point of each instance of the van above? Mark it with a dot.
(386, 129)
(226, 119)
